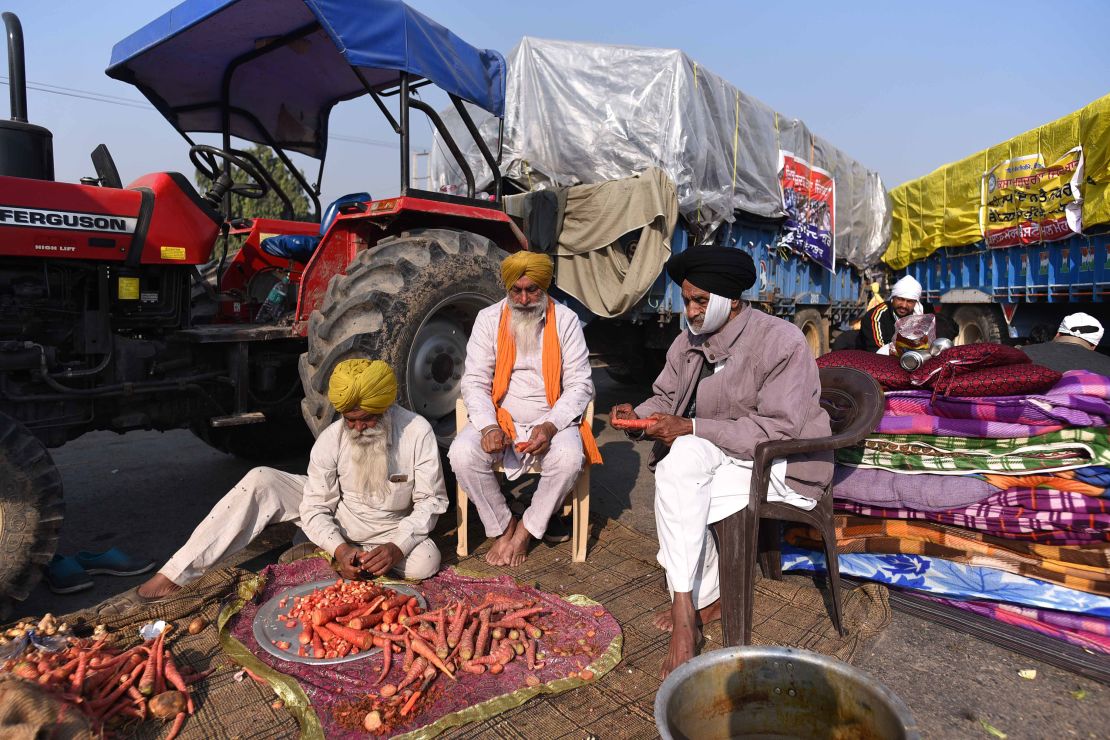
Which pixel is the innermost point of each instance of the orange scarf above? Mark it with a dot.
(551, 364)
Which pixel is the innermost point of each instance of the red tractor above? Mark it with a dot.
(113, 313)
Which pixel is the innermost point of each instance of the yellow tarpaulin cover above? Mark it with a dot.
(941, 209)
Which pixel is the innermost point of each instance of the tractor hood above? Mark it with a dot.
(275, 68)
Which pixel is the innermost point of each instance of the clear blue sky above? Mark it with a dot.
(903, 87)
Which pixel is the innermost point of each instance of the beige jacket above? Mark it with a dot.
(334, 512)
(768, 389)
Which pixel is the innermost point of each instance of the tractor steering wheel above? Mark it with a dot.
(207, 160)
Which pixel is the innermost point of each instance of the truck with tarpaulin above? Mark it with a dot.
(581, 118)
(1013, 238)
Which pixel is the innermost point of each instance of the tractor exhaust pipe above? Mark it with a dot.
(26, 150)
(17, 70)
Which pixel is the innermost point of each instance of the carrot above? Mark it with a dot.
(177, 724)
(411, 702)
(466, 644)
(417, 668)
(387, 663)
(318, 650)
(323, 616)
(424, 650)
(79, 674)
(631, 423)
(174, 677)
(473, 668)
(407, 662)
(193, 678)
(458, 625)
(519, 624)
(146, 683)
(358, 638)
(391, 616)
(530, 654)
(365, 621)
(397, 601)
(324, 632)
(525, 613)
(441, 637)
(483, 632)
(522, 446)
(306, 632)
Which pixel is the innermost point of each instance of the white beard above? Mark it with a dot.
(525, 322)
(369, 456)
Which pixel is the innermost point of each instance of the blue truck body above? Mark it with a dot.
(1022, 287)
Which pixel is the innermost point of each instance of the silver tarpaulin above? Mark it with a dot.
(586, 113)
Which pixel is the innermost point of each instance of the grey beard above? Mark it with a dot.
(525, 321)
(369, 456)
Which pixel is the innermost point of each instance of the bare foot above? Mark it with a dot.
(684, 633)
(498, 554)
(663, 619)
(157, 587)
(517, 552)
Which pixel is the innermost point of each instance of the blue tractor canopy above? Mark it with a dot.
(270, 71)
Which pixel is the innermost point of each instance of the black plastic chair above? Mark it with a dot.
(854, 402)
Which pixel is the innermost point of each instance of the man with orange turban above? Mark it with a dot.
(526, 386)
(373, 493)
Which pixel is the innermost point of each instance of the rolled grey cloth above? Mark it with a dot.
(890, 490)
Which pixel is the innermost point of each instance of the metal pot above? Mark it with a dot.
(774, 692)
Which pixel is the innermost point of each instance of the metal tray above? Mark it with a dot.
(267, 626)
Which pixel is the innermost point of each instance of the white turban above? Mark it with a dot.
(907, 288)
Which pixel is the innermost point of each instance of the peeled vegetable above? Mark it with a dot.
(197, 625)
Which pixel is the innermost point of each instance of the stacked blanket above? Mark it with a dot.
(995, 504)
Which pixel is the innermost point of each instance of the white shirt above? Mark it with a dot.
(334, 512)
(526, 398)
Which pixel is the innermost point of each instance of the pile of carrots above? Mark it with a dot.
(111, 686)
(463, 636)
(336, 621)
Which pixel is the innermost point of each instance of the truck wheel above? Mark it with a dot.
(410, 301)
(31, 511)
(813, 328)
(977, 324)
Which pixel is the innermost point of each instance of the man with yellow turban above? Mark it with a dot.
(373, 493)
(526, 386)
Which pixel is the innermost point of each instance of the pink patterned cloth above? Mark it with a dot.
(328, 686)
(1089, 632)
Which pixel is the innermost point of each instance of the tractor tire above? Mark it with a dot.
(411, 302)
(811, 323)
(978, 324)
(31, 511)
(269, 442)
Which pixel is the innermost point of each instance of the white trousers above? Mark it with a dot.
(266, 496)
(473, 468)
(697, 484)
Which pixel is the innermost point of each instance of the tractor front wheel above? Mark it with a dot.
(31, 511)
(411, 302)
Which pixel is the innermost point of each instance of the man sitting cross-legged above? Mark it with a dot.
(372, 496)
(526, 385)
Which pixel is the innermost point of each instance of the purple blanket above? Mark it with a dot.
(887, 489)
(1081, 398)
(1035, 514)
(941, 426)
(1077, 629)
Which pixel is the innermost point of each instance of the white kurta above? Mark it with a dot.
(526, 400)
(328, 507)
(697, 484)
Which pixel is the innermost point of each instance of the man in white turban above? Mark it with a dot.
(877, 326)
(373, 493)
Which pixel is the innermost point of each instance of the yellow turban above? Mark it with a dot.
(533, 265)
(369, 385)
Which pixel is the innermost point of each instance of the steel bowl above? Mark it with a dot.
(774, 692)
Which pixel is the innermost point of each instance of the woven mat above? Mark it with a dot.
(226, 708)
(620, 572)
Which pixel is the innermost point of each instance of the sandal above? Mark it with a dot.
(64, 575)
(126, 602)
(113, 562)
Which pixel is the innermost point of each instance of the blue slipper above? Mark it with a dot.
(64, 575)
(113, 562)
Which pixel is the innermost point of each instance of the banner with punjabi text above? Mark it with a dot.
(1026, 202)
(809, 199)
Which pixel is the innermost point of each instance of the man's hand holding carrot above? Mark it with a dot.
(668, 427)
